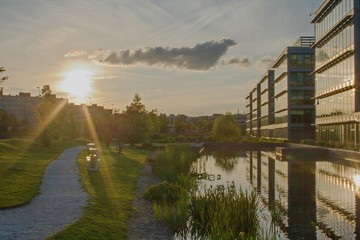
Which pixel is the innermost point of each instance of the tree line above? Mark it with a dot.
(56, 119)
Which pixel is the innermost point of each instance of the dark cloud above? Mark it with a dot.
(244, 62)
(265, 63)
(202, 56)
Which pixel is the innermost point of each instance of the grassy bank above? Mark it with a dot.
(22, 165)
(111, 191)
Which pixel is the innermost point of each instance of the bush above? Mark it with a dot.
(163, 192)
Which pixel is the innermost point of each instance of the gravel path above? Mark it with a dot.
(143, 225)
(60, 202)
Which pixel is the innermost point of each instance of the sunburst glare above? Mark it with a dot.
(77, 82)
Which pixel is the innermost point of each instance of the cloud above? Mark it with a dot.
(265, 62)
(76, 53)
(201, 57)
(243, 63)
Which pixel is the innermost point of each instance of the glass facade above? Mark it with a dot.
(337, 10)
(339, 74)
(284, 104)
(335, 73)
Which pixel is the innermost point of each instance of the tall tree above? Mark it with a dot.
(134, 126)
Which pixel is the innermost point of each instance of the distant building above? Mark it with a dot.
(22, 106)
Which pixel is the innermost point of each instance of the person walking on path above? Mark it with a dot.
(60, 202)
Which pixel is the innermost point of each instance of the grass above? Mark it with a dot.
(22, 165)
(111, 191)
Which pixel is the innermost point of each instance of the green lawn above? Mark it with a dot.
(22, 165)
(111, 192)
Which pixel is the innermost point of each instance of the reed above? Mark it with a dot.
(171, 197)
(225, 213)
(221, 212)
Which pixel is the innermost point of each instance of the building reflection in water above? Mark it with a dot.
(316, 199)
(301, 200)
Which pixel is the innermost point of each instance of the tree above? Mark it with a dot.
(203, 126)
(51, 114)
(181, 124)
(225, 129)
(9, 125)
(134, 126)
(157, 123)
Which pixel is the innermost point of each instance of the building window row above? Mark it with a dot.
(301, 79)
(281, 86)
(335, 45)
(343, 72)
(338, 104)
(335, 14)
(301, 60)
(302, 97)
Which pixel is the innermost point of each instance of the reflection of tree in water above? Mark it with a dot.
(226, 160)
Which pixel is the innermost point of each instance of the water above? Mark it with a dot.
(317, 199)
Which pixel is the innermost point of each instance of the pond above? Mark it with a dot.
(317, 199)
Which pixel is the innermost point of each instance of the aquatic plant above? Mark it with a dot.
(224, 212)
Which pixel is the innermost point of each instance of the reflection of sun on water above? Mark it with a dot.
(356, 179)
(77, 83)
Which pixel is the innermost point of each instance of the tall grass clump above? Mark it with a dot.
(174, 161)
(171, 197)
(225, 213)
(175, 214)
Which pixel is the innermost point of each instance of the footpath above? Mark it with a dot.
(60, 202)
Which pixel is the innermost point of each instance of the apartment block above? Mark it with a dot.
(22, 106)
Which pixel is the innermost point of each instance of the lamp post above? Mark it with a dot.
(39, 91)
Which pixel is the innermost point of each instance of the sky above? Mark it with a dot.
(193, 57)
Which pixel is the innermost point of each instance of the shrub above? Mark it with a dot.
(163, 192)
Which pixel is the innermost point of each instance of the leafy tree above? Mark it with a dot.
(225, 129)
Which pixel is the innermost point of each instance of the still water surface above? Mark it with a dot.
(317, 199)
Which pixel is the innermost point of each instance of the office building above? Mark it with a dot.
(337, 67)
(281, 105)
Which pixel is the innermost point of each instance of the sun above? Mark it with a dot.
(77, 82)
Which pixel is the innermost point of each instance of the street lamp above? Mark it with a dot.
(39, 91)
